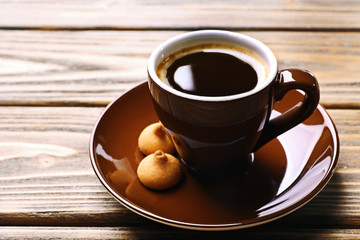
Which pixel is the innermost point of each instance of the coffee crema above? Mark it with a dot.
(212, 70)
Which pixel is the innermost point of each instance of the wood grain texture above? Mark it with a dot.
(46, 178)
(62, 61)
(170, 233)
(93, 67)
(139, 14)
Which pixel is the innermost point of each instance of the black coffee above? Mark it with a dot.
(211, 73)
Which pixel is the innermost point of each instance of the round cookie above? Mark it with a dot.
(159, 171)
(153, 138)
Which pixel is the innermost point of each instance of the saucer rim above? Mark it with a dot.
(213, 227)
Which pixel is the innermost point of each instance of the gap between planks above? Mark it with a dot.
(333, 106)
(114, 28)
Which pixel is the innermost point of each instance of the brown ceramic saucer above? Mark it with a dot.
(286, 173)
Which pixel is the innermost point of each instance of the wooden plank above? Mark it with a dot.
(46, 178)
(45, 173)
(171, 233)
(275, 14)
(94, 67)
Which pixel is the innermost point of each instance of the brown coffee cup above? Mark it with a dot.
(220, 132)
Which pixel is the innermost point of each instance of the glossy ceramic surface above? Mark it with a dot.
(285, 174)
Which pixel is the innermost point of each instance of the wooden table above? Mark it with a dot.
(62, 62)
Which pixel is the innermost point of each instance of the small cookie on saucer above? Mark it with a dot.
(159, 171)
(153, 138)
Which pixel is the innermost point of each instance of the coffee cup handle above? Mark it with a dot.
(290, 79)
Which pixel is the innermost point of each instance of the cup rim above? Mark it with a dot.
(249, 42)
